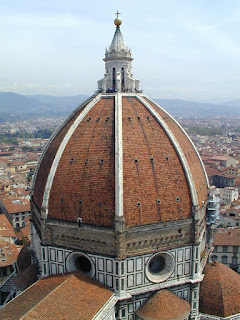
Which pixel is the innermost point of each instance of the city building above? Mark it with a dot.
(227, 248)
(15, 209)
(228, 195)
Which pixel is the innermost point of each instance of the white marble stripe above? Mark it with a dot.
(118, 156)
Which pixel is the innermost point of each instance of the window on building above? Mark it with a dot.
(114, 78)
(225, 248)
(122, 77)
(235, 249)
(224, 259)
(234, 260)
(17, 225)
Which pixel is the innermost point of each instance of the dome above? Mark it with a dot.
(120, 154)
(220, 291)
(164, 305)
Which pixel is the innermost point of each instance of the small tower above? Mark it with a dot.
(118, 76)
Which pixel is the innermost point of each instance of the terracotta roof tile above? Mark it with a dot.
(15, 205)
(227, 237)
(146, 181)
(190, 154)
(70, 296)
(164, 305)
(220, 291)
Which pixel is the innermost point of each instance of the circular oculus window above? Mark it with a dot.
(160, 267)
(77, 261)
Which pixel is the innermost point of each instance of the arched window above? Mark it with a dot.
(122, 76)
(114, 78)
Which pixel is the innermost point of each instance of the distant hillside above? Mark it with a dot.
(192, 108)
(60, 103)
(234, 103)
(16, 106)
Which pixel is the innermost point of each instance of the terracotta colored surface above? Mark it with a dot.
(84, 183)
(220, 291)
(70, 296)
(164, 305)
(146, 181)
(14, 205)
(227, 237)
(48, 158)
(190, 154)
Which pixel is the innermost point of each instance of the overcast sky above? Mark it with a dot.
(184, 49)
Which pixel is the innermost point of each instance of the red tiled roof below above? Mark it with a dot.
(70, 296)
(164, 305)
(220, 291)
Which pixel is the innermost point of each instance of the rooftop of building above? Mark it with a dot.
(164, 305)
(65, 296)
(227, 237)
(220, 291)
(14, 205)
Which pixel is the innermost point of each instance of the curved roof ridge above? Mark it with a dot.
(61, 148)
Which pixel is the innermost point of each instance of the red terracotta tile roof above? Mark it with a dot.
(84, 181)
(15, 205)
(92, 182)
(190, 154)
(147, 181)
(227, 237)
(164, 305)
(70, 296)
(47, 160)
(220, 291)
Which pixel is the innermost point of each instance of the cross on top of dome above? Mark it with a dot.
(118, 20)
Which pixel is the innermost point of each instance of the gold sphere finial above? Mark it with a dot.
(118, 20)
